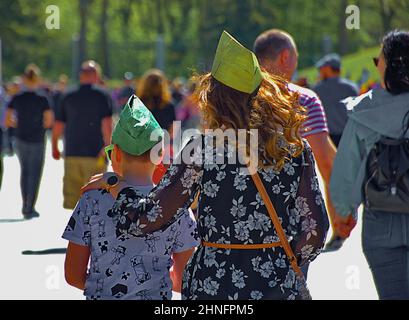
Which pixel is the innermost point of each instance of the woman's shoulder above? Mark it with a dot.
(306, 155)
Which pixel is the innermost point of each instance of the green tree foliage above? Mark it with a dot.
(122, 35)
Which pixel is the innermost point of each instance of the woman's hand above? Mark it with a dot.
(99, 181)
(344, 225)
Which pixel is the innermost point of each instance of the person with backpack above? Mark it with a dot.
(372, 167)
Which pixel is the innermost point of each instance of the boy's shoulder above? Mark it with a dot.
(99, 194)
(94, 200)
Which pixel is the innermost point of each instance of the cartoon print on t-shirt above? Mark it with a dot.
(119, 290)
(71, 225)
(101, 229)
(140, 271)
(109, 272)
(119, 254)
(155, 262)
(95, 266)
(95, 207)
(112, 277)
(100, 286)
(103, 246)
(87, 238)
(144, 294)
(150, 241)
(125, 276)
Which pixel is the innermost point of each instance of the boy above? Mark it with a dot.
(124, 267)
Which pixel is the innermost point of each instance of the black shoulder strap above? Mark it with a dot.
(405, 125)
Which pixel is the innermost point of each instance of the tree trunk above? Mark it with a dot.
(386, 14)
(83, 8)
(104, 38)
(342, 31)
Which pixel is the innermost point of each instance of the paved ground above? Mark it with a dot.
(341, 275)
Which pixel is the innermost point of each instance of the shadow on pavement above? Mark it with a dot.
(12, 220)
(44, 252)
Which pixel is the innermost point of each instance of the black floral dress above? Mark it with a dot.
(231, 211)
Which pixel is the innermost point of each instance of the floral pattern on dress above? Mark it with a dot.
(231, 211)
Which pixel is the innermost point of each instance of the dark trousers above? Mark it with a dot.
(8, 141)
(385, 240)
(31, 157)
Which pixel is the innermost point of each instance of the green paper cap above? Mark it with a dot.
(134, 128)
(236, 66)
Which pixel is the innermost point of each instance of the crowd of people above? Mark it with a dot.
(228, 232)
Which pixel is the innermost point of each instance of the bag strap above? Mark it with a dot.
(276, 222)
(405, 125)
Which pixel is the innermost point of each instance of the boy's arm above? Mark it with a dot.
(180, 259)
(76, 263)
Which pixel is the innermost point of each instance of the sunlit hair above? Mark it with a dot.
(273, 110)
(153, 89)
(32, 73)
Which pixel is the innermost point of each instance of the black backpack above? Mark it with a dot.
(386, 186)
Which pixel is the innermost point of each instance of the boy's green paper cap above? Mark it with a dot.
(236, 66)
(134, 128)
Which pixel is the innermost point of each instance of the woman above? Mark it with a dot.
(380, 112)
(30, 114)
(154, 92)
(237, 95)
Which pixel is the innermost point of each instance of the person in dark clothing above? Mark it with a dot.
(155, 94)
(177, 89)
(12, 88)
(379, 113)
(30, 114)
(59, 92)
(332, 90)
(85, 119)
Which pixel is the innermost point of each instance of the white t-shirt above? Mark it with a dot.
(124, 267)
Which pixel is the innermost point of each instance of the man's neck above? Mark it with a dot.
(277, 72)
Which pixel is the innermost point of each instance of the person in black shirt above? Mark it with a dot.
(59, 91)
(84, 117)
(30, 114)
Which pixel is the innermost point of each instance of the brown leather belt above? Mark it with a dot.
(241, 246)
(277, 225)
